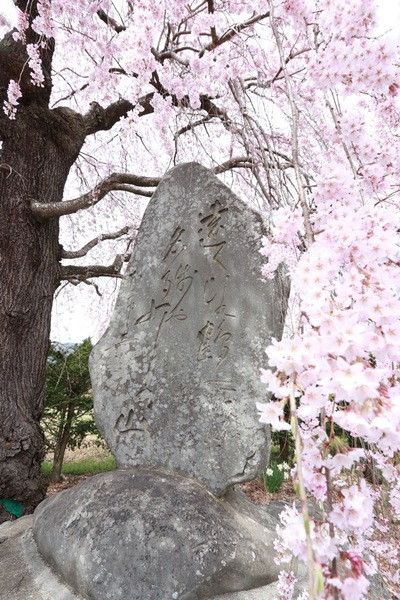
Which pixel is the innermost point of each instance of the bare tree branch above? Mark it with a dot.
(214, 36)
(213, 110)
(124, 187)
(30, 7)
(115, 181)
(70, 254)
(161, 56)
(103, 16)
(101, 119)
(118, 182)
(232, 32)
(239, 162)
(79, 273)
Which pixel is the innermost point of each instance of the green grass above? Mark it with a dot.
(86, 466)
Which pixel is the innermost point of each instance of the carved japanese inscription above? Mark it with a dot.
(176, 376)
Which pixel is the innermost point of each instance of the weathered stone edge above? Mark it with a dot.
(50, 585)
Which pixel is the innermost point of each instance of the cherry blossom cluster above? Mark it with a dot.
(13, 96)
(341, 366)
(35, 64)
(285, 245)
(22, 26)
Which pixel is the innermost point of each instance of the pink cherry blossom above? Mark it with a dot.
(13, 96)
(271, 413)
(37, 76)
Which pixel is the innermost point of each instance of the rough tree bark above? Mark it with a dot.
(38, 148)
(37, 163)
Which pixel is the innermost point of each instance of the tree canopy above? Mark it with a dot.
(68, 414)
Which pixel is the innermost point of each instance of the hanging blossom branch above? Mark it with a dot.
(122, 182)
(344, 145)
(71, 254)
(339, 368)
(295, 128)
(13, 96)
(314, 570)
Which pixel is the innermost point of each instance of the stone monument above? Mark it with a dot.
(177, 375)
(175, 381)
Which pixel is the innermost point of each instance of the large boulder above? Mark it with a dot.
(148, 535)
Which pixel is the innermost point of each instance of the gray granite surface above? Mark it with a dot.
(150, 535)
(176, 376)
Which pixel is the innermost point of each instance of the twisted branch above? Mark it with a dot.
(71, 254)
(124, 182)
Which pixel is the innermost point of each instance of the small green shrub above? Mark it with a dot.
(274, 475)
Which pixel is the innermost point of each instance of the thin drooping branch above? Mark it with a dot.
(236, 89)
(295, 126)
(191, 126)
(71, 254)
(113, 182)
(79, 273)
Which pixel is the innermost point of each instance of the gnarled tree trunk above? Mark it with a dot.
(38, 148)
